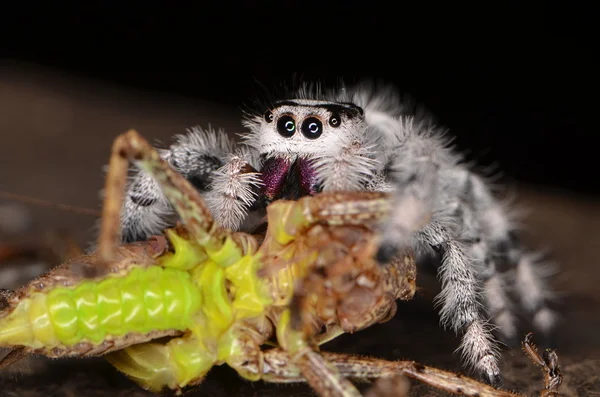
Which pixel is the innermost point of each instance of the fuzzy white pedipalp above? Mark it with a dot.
(350, 166)
(233, 191)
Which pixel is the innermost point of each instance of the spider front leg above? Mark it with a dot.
(461, 309)
(197, 156)
(180, 193)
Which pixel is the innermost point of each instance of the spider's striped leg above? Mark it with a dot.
(181, 194)
(513, 268)
(461, 309)
(197, 155)
(533, 292)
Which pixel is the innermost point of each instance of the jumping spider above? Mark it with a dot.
(364, 138)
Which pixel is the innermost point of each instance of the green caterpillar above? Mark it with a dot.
(139, 300)
(144, 300)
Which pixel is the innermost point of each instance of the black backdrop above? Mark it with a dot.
(509, 81)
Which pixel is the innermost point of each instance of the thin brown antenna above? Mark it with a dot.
(45, 203)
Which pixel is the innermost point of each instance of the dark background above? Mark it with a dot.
(510, 81)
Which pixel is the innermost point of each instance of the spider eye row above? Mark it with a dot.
(311, 127)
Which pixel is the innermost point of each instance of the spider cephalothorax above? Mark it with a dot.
(365, 138)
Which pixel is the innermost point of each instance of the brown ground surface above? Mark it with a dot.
(56, 136)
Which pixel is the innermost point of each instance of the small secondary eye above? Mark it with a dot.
(335, 120)
(286, 126)
(268, 116)
(312, 128)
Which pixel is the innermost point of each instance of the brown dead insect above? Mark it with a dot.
(549, 364)
(165, 311)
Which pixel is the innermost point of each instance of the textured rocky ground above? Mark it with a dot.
(56, 136)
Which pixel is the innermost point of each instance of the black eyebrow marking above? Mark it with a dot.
(349, 109)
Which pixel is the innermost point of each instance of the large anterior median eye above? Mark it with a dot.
(312, 128)
(286, 126)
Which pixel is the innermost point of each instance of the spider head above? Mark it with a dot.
(303, 127)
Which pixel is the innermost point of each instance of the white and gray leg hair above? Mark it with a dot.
(496, 292)
(146, 211)
(418, 156)
(457, 185)
(428, 177)
(531, 287)
(196, 155)
(234, 189)
(499, 306)
(509, 270)
(521, 269)
(460, 298)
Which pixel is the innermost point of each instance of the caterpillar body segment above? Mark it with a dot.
(144, 300)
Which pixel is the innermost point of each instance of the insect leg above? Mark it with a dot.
(339, 208)
(364, 368)
(322, 376)
(186, 200)
(549, 363)
(280, 368)
(240, 346)
(459, 299)
(396, 386)
(13, 356)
